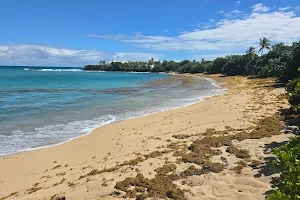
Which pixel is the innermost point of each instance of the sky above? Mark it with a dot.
(80, 32)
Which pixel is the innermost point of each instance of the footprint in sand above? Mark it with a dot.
(221, 189)
(251, 182)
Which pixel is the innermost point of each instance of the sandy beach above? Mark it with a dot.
(90, 167)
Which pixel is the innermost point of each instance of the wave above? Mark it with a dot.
(59, 70)
(53, 134)
(124, 90)
(139, 72)
(65, 70)
(55, 70)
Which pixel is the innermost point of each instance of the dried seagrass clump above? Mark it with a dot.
(239, 153)
(161, 186)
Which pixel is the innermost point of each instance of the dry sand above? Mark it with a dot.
(55, 171)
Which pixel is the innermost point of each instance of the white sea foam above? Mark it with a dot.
(139, 72)
(59, 70)
(50, 135)
(54, 70)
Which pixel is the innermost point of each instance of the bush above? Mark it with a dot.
(198, 68)
(235, 65)
(293, 90)
(287, 164)
(217, 66)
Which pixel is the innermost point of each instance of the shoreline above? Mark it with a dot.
(56, 171)
(162, 109)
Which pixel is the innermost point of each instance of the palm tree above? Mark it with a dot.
(264, 43)
(251, 51)
(102, 62)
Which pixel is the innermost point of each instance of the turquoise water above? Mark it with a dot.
(44, 106)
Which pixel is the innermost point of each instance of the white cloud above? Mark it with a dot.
(260, 8)
(211, 56)
(165, 31)
(235, 11)
(205, 25)
(238, 2)
(233, 14)
(285, 8)
(109, 36)
(230, 34)
(46, 55)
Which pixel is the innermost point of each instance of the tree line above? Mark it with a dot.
(281, 61)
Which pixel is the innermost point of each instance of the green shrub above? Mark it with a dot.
(198, 68)
(217, 65)
(287, 164)
(186, 68)
(264, 71)
(293, 90)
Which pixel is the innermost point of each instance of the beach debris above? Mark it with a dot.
(161, 186)
(239, 153)
(61, 181)
(10, 195)
(57, 166)
(34, 188)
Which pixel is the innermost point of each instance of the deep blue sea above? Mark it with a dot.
(44, 106)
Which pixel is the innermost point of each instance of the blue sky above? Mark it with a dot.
(78, 32)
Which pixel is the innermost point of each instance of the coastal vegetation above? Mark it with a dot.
(281, 61)
(293, 89)
(287, 157)
(287, 164)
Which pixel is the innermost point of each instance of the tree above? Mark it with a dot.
(235, 65)
(217, 65)
(102, 62)
(251, 52)
(151, 61)
(264, 43)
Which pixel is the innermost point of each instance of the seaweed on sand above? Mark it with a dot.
(161, 186)
(239, 153)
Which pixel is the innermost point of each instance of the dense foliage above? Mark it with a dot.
(287, 161)
(293, 90)
(287, 164)
(281, 61)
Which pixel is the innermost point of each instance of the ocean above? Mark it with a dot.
(46, 106)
